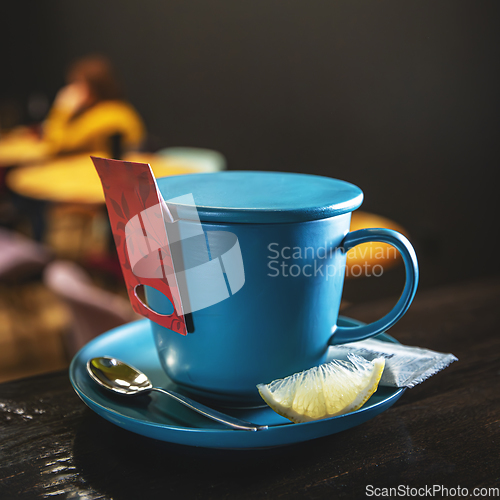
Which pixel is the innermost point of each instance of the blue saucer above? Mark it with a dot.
(166, 420)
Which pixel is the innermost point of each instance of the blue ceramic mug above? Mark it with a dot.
(293, 234)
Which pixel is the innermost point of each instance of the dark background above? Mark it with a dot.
(398, 97)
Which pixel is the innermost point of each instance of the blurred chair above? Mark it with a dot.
(205, 160)
(21, 258)
(93, 310)
(71, 228)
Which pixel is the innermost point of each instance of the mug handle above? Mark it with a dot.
(343, 334)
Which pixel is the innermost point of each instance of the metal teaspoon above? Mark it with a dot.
(119, 377)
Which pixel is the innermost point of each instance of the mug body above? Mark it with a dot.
(276, 322)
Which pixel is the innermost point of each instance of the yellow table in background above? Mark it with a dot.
(22, 147)
(371, 258)
(73, 179)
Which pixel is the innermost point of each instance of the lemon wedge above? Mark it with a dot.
(324, 391)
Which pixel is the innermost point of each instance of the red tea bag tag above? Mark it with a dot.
(138, 213)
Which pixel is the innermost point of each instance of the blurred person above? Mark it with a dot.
(90, 113)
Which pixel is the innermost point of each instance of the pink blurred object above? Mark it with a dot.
(20, 257)
(93, 310)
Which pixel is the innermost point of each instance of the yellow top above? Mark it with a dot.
(91, 131)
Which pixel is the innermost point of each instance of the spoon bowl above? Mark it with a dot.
(118, 376)
(121, 378)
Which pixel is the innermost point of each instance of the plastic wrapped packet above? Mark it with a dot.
(405, 366)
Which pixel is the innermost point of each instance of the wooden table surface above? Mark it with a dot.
(442, 433)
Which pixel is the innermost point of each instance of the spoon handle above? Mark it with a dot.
(233, 422)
